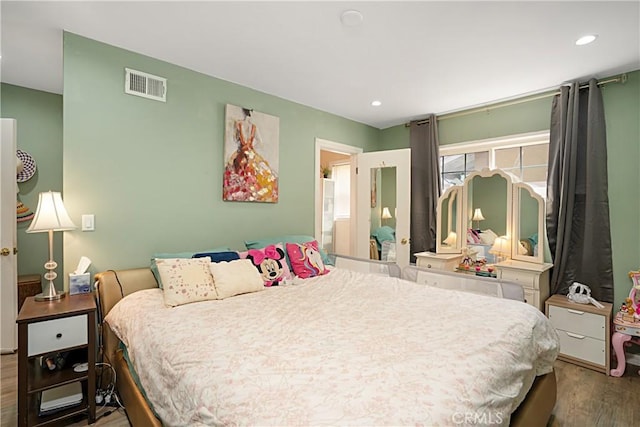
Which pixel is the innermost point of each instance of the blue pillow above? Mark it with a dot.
(289, 238)
(218, 256)
(164, 255)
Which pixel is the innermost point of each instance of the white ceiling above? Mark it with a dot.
(416, 57)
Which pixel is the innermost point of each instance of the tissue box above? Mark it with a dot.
(79, 283)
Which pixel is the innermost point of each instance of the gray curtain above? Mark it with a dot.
(578, 228)
(425, 184)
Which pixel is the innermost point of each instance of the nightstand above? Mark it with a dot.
(51, 327)
(584, 332)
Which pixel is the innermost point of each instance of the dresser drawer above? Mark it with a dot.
(582, 347)
(57, 334)
(526, 279)
(578, 322)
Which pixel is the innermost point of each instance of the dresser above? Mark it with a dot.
(584, 332)
(533, 277)
(447, 262)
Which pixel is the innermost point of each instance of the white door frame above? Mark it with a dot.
(8, 237)
(326, 145)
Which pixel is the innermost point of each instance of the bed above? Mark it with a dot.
(345, 348)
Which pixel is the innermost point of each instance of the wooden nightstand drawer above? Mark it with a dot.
(578, 322)
(57, 334)
(583, 330)
(582, 347)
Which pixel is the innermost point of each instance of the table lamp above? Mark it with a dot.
(477, 216)
(50, 216)
(385, 213)
(451, 239)
(501, 247)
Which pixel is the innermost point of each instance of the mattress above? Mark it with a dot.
(346, 348)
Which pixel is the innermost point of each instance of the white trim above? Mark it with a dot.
(518, 140)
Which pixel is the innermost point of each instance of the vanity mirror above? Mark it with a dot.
(490, 191)
(528, 224)
(449, 228)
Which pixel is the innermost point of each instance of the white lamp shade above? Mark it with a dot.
(451, 239)
(477, 215)
(501, 246)
(50, 214)
(386, 214)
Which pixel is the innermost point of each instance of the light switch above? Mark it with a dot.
(88, 222)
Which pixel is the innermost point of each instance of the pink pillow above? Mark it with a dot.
(270, 262)
(305, 259)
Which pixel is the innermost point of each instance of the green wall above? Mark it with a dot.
(151, 172)
(39, 118)
(622, 115)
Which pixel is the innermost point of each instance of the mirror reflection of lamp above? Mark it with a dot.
(451, 239)
(501, 248)
(477, 216)
(386, 214)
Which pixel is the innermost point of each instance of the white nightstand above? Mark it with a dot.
(583, 329)
(447, 262)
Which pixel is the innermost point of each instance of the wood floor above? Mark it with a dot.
(585, 398)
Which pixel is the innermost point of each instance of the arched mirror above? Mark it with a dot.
(449, 231)
(487, 212)
(528, 224)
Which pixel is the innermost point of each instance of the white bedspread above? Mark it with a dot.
(341, 349)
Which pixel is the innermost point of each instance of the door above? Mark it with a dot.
(8, 258)
(384, 181)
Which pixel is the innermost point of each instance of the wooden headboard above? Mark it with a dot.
(111, 287)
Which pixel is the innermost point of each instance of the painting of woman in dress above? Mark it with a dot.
(251, 156)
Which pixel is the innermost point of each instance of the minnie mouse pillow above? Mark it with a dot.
(270, 262)
(305, 259)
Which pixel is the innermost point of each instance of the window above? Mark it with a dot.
(524, 156)
(341, 175)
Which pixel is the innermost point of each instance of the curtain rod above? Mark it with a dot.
(619, 79)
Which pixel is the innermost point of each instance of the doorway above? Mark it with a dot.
(335, 196)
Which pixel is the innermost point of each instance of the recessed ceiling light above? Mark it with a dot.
(351, 18)
(586, 39)
(376, 103)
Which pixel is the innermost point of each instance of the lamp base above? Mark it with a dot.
(48, 297)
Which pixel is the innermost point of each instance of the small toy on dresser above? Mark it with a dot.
(630, 308)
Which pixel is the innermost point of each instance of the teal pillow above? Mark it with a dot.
(289, 238)
(383, 234)
(164, 255)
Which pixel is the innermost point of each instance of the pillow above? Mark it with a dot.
(270, 263)
(384, 234)
(186, 280)
(290, 238)
(154, 268)
(235, 277)
(218, 256)
(487, 237)
(305, 259)
(472, 236)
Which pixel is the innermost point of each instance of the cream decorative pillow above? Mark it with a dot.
(186, 280)
(235, 277)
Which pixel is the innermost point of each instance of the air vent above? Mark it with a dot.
(145, 85)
